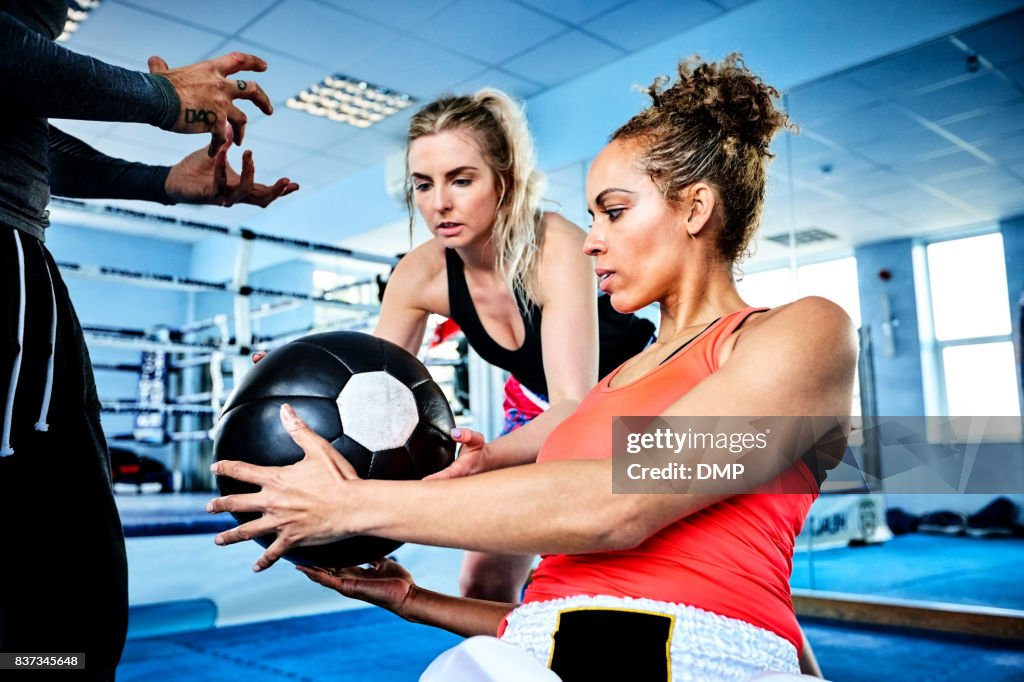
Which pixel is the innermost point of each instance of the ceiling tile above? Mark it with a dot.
(468, 27)
(998, 121)
(562, 58)
(520, 88)
(573, 11)
(980, 183)
(285, 76)
(299, 128)
(826, 98)
(897, 149)
(1006, 150)
(415, 67)
(136, 35)
(985, 90)
(874, 122)
(366, 147)
(930, 167)
(908, 71)
(999, 42)
(832, 169)
(317, 170)
(644, 22)
(318, 33)
(1014, 71)
(399, 14)
(223, 16)
(864, 187)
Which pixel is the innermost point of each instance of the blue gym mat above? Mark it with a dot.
(943, 568)
(371, 645)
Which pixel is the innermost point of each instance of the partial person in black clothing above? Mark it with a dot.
(63, 574)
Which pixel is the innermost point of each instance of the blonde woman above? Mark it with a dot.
(515, 280)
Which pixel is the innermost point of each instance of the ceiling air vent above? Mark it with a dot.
(802, 237)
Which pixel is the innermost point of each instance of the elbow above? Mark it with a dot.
(619, 526)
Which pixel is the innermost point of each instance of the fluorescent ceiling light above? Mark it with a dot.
(78, 11)
(349, 100)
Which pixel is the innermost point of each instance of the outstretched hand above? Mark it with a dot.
(207, 95)
(472, 457)
(298, 502)
(199, 179)
(386, 583)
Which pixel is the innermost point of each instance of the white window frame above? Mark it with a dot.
(933, 371)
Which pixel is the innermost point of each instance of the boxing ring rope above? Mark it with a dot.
(223, 337)
(175, 283)
(244, 233)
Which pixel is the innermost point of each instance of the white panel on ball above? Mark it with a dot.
(377, 411)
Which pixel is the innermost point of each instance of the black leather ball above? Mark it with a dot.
(372, 400)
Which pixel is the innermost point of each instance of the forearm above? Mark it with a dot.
(461, 615)
(548, 508)
(808, 661)
(77, 170)
(43, 79)
(522, 445)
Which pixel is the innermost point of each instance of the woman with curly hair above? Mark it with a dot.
(631, 586)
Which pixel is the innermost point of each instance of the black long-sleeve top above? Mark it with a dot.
(39, 79)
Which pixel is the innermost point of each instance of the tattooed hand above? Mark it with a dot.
(207, 95)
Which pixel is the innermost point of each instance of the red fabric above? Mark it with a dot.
(444, 331)
(733, 558)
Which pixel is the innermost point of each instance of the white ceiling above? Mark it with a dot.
(907, 143)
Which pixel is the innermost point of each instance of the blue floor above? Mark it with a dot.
(862, 653)
(370, 645)
(961, 570)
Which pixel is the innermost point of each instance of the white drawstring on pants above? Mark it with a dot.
(5, 444)
(44, 409)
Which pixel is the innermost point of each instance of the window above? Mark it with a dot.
(834, 279)
(967, 329)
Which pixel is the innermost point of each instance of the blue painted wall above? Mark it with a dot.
(898, 377)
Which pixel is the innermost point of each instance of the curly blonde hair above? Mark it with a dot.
(498, 124)
(715, 125)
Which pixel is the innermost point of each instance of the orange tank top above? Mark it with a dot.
(733, 558)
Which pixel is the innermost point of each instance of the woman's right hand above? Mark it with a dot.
(386, 583)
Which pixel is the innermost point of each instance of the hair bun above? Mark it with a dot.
(733, 104)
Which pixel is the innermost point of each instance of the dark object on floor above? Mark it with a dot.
(945, 521)
(996, 518)
(136, 473)
(901, 522)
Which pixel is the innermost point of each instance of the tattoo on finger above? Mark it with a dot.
(242, 85)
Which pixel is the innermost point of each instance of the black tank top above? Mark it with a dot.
(620, 336)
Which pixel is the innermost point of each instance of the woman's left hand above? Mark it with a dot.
(298, 502)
